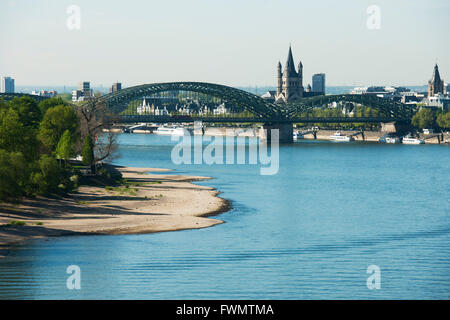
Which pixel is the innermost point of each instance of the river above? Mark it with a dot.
(308, 232)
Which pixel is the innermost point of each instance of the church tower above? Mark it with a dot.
(436, 84)
(279, 78)
(290, 82)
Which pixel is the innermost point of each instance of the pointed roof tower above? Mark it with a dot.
(436, 78)
(290, 63)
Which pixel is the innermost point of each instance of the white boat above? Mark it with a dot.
(175, 131)
(338, 136)
(393, 140)
(297, 136)
(409, 140)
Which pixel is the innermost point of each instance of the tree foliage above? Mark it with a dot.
(94, 118)
(15, 137)
(46, 104)
(443, 120)
(424, 118)
(47, 176)
(28, 110)
(64, 149)
(57, 120)
(88, 151)
(13, 174)
(32, 136)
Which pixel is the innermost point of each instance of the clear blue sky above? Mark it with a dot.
(233, 42)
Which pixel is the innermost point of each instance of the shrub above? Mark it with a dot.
(13, 174)
(47, 179)
(16, 223)
(88, 151)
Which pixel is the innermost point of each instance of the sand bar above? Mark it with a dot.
(156, 202)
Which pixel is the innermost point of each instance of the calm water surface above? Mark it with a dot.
(309, 232)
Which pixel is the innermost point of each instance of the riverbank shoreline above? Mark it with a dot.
(156, 202)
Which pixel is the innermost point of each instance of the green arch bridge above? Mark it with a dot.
(272, 115)
(262, 110)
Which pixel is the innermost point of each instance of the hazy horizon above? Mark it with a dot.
(236, 43)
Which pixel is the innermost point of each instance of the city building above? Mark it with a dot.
(45, 93)
(115, 87)
(290, 82)
(7, 85)
(84, 92)
(77, 95)
(439, 101)
(318, 83)
(269, 95)
(85, 88)
(220, 110)
(436, 84)
(145, 108)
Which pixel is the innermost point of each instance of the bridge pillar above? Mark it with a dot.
(286, 132)
(388, 127)
(394, 127)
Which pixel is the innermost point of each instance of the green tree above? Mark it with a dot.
(47, 176)
(57, 120)
(13, 174)
(443, 120)
(28, 110)
(424, 118)
(46, 104)
(88, 151)
(64, 149)
(15, 137)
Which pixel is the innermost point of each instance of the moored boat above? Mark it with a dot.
(339, 137)
(410, 140)
(174, 131)
(393, 140)
(297, 136)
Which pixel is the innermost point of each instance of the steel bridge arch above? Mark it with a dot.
(387, 107)
(250, 102)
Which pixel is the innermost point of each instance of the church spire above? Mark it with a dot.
(436, 78)
(290, 63)
(436, 84)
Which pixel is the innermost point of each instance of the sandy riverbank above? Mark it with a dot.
(153, 203)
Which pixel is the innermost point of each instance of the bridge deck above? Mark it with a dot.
(175, 119)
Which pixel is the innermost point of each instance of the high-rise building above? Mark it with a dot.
(7, 85)
(290, 82)
(84, 92)
(77, 95)
(318, 83)
(85, 88)
(436, 84)
(115, 87)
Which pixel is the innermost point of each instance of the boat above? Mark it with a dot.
(297, 136)
(410, 140)
(174, 131)
(393, 140)
(338, 136)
